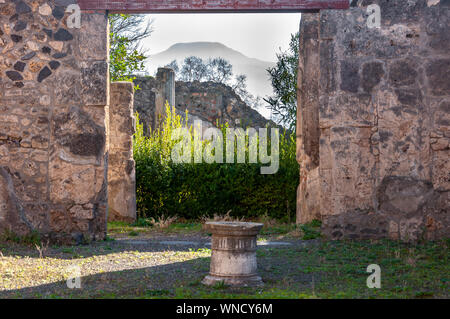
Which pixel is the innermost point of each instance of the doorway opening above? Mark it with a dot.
(208, 78)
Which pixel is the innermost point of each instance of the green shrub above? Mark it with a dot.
(193, 191)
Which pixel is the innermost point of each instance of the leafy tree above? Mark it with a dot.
(174, 66)
(126, 54)
(283, 103)
(219, 70)
(240, 87)
(193, 69)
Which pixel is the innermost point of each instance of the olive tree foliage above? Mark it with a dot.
(283, 103)
(174, 66)
(193, 69)
(240, 87)
(240, 84)
(126, 53)
(217, 70)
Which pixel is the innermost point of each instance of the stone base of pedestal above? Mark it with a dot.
(251, 281)
(233, 256)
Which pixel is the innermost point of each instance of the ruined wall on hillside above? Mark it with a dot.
(206, 101)
(151, 96)
(53, 115)
(213, 102)
(374, 121)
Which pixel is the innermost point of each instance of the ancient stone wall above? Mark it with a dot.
(152, 95)
(380, 165)
(121, 172)
(212, 102)
(145, 101)
(164, 93)
(53, 116)
(373, 127)
(206, 101)
(308, 133)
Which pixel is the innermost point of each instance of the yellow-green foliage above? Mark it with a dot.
(197, 190)
(159, 142)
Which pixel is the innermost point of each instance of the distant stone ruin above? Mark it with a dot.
(209, 102)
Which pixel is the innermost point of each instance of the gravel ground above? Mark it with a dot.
(140, 266)
(126, 266)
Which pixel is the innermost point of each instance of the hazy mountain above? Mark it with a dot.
(258, 82)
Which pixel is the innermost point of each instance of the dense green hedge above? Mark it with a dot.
(193, 191)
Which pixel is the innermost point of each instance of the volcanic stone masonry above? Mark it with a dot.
(121, 172)
(152, 96)
(53, 116)
(373, 121)
(205, 101)
(373, 128)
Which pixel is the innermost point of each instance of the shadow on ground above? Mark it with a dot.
(147, 269)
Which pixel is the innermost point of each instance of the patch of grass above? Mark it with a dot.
(143, 222)
(148, 226)
(220, 285)
(319, 270)
(31, 239)
(186, 227)
(122, 228)
(225, 292)
(68, 250)
(315, 223)
(424, 294)
(109, 239)
(311, 230)
(117, 224)
(338, 270)
(279, 229)
(157, 293)
(195, 283)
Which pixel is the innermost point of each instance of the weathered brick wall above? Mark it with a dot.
(53, 107)
(383, 114)
(121, 172)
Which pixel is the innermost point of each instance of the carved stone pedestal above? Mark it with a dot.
(233, 259)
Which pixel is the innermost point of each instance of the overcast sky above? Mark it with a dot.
(255, 35)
